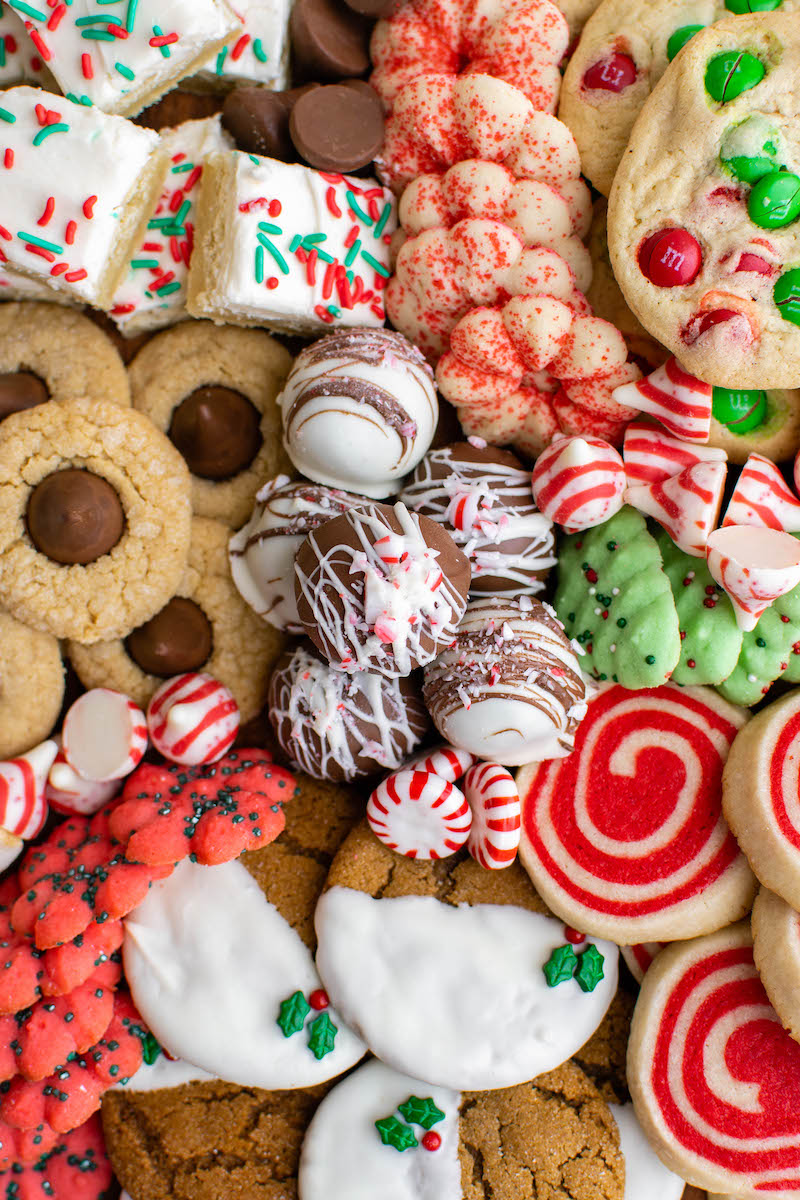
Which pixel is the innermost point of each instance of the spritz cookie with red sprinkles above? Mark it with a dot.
(79, 188)
(153, 293)
(73, 1164)
(124, 57)
(290, 248)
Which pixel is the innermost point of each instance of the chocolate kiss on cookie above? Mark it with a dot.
(20, 390)
(220, 959)
(452, 974)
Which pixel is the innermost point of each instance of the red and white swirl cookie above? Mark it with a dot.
(761, 795)
(776, 949)
(625, 838)
(639, 957)
(714, 1076)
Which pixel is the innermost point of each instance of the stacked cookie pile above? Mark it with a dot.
(400, 828)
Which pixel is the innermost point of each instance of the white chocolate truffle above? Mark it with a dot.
(262, 553)
(511, 688)
(359, 410)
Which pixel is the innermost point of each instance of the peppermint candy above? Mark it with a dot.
(193, 719)
(68, 792)
(652, 455)
(447, 762)
(420, 815)
(496, 822)
(763, 498)
(104, 736)
(578, 482)
(754, 566)
(687, 505)
(23, 808)
(678, 400)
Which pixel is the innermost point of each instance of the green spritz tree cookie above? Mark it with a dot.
(615, 600)
(710, 638)
(767, 652)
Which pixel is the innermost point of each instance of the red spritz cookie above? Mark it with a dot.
(74, 1166)
(212, 812)
(625, 838)
(715, 1078)
(760, 795)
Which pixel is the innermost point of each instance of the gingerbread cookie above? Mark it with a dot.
(704, 244)
(212, 391)
(31, 686)
(776, 949)
(205, 626)
(503, 996)
(48, 352)
(382, 1133)
(95, 519)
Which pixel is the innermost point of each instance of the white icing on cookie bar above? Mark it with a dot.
(19, 58)
(261, 53)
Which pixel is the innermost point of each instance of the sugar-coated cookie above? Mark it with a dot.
(508, 997)
(382, 1133)
(712, 1073)
(776, 949)
(760, 795)
(213, 392)
(704, 244)
(626, 837)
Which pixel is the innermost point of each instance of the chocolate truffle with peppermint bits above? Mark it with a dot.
(511, 688)
(482, 496)
(341, 727)
(381, 589)
(359, 410)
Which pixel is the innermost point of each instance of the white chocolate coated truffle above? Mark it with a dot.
(359, 410)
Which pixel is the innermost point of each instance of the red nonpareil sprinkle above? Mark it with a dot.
(49, 208)
(432, 1140)
(42, 253)
(330, 200)
(75, 276)
(574, 936)
(8, 159)
(56, 16)
(192, 178)
(88, 207)
(273, 282)
(87, 69)
(11, 43)
(70, 231)
(319, 999)
(59, 269)
(39, 43)
(164, 39)
(240, 47)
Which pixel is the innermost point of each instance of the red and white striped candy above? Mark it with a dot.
(763, 498)
(193, 719)
(420, 815)
(23, 808)
(578, 482)
(104, 735)
(687, 505)
(640, 957)
(652, 455)
(68, 792)
(496, 815)
(754, 566)
(447, 762)
(678, 400)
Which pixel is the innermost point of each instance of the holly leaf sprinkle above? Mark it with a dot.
(421, 1112)
(294, 1011)
(321, 1035)
(395, 1133)
(560, 966)
(590, 971)
(150, 1049)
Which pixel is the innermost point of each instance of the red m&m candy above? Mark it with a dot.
(612, 74)
(671, 258)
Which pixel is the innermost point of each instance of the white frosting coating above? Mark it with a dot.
(261, 53)
(16, 286)
(122, 74)
(260, 275)
(88, 154)
(262, 553)
(343, 1157)
(646, 1177)
(164, 1073)
(360, 416)
(19, 58)
(209, 961)
(456, 995)
(153, 293)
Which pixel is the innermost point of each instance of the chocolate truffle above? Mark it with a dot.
(381, 589)
(482, 496)
(511, 688)
(262, 553)
(359, 410)
(339, 727)
(74, 517)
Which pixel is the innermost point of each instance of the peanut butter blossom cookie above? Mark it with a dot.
(94, 520)
(31, 686)
(705, 244)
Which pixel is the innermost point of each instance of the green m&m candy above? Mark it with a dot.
(679, 39)
(742, 411)
(786, 295)
(752, 148)
(775, 200)
(748, 6)
(732, 72)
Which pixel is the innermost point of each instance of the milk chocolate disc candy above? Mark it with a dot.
(217, 431)
(20, 390)
(175, 640)
(74, 517)
(329, 40)
(338, 127)
(258, 120)
(372, 9)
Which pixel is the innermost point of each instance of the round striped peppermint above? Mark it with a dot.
(448, 762)
(193, 719)
(494, 800)
(419, 814)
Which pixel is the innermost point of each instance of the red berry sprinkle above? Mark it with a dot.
(573, 935)
(691, 663)
(432, 1140)
(671, 258)
(319, 999)
(612, 74)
